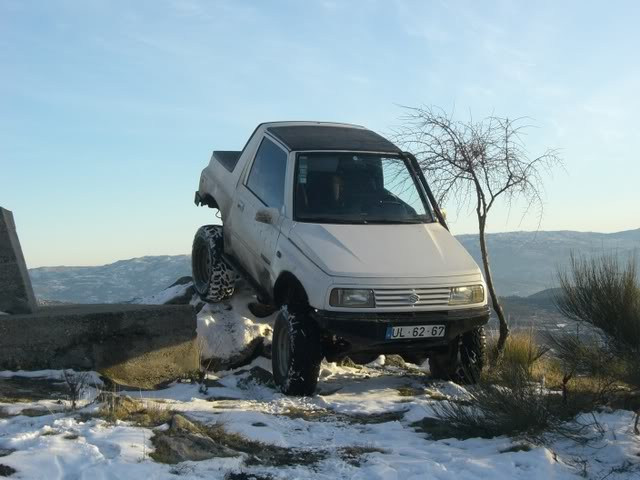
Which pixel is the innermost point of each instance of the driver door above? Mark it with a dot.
(263, 187)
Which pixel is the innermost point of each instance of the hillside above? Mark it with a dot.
(523, 263)
(116, 282)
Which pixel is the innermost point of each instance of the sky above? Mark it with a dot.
(110, 109)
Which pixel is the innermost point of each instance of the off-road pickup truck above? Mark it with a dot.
(337, 227)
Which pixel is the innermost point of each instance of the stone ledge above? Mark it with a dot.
(135, 345)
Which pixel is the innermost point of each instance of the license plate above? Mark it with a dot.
(417, 331)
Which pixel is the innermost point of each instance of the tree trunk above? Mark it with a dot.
(504, 327)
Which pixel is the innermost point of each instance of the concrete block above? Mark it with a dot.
(135, 345)
(16, 293)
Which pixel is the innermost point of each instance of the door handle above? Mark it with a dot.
(241, 206)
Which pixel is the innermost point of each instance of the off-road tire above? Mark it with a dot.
(463, 361)
(296, 352)
(213, 277)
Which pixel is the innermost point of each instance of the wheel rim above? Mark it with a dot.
(284, 352)
(202, 268)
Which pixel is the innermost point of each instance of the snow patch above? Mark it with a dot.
(226, 329)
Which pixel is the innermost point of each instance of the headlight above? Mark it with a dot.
(350, 297)
(466, 295)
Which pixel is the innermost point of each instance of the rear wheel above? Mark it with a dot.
(296, 351)
(463, 361)
(213, 277)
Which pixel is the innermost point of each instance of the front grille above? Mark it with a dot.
(412, 297)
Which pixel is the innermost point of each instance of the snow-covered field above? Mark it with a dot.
(358, 410)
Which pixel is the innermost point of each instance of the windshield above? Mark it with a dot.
(347, 187)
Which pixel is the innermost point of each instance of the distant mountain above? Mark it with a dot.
(523, 263)
(116, 282)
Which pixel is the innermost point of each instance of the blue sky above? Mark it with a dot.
(110, 109)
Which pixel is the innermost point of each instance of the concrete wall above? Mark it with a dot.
(135, 345)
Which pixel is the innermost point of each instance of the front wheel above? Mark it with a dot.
(463, 361)
(296, 353)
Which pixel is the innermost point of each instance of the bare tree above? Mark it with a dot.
(478, 162)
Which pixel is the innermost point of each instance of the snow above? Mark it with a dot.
(66, 445)
(227, 328)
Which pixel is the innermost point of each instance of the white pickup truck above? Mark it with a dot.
(337, 227)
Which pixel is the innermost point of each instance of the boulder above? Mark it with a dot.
(186, 441)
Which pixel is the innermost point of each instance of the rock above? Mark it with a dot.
(182, 281)
(394, 361)
(183, 447)
(6, 471)
(245, 356)
(211, 383)
(121, 403)
(184, 298)
(257, 376)
(6, 451)
(180, 423)
(186, 441)
(199, 306)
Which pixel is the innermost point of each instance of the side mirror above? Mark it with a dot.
(444, 214)
(267, 215)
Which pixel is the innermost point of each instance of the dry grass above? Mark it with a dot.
(126, 409)
(521, 352)
(353, 455)
(410, 391)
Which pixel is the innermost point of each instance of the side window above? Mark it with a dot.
(266, 179)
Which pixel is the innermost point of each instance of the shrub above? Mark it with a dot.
(520, 408)
(603, 293)
(513, 398)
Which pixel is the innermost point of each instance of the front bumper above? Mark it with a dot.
(365, 332)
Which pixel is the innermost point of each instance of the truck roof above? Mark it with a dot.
(329, 136)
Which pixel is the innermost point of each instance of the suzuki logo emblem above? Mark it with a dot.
(414, 298)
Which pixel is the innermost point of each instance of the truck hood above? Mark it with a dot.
(420, 250)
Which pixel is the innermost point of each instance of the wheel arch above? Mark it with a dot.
(206, 199)
(287, 280)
